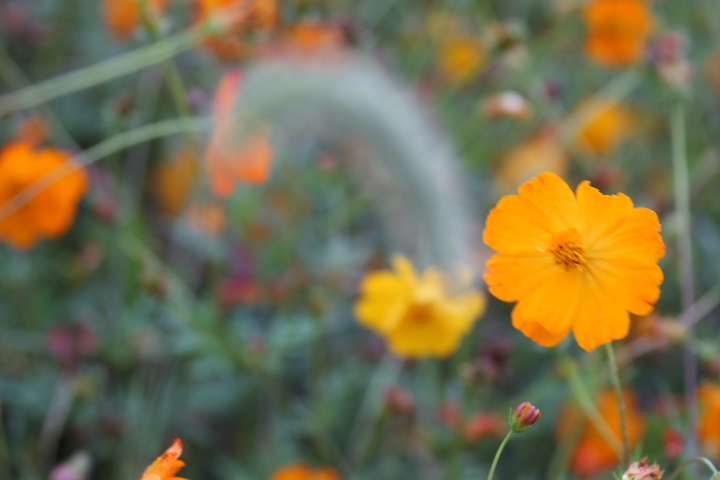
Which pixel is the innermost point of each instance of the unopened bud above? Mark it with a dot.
(642, 470)
(525, 416)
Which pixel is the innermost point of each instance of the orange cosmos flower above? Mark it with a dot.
(166, 465)
(303, 471)
(51, 213)
(709, 398)
(572, 262)
(618, 31)
(124, 16)
(228, 161)
(593, 454)
(242, 16)
(419, 315)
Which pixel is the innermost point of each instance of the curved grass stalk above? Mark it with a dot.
(103, 149)
(407, 164)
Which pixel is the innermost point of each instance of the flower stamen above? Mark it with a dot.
(567, 250)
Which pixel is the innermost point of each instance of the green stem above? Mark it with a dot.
(615, 379)
(101, 72)
(371, 408)
(499, 452)
(586, 404)
(703, 460)
(103, 149)
(681, 187)
(5, 468)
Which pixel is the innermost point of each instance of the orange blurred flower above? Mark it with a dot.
(310, 38)
(593, 454)
(174, 180)
(242, 17)
(618, 31)
(303, 471)
(606, 126)
(250, 159)
(51, 213)
(124, 16)
(207, 217)
(573, 262)
(709, 398)
(166, 465)
(483, 425)
(543, 152)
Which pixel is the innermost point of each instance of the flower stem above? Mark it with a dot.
(615, 379)
(681, 187)
(586, 404)
(499, 452)
(100, 72)
(687, 462)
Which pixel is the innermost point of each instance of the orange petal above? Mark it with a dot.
(552, 305)
(599, 319)
(510, 278)
(522, 224)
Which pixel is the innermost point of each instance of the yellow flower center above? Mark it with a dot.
(567, 249)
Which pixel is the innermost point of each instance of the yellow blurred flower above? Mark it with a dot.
(419, 315)
(461, 57)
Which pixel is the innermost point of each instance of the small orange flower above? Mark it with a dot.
(303, 471)
(124, 16)
(573, 262)
(51, 213)
(228, 161)
(709, 398)
(166, 465)
(618, 31)
(593, 454)
(242, 16)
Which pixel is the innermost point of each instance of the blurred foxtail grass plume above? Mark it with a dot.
(407, 163)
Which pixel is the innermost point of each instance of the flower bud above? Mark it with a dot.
(642, 470)
(525, 416)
